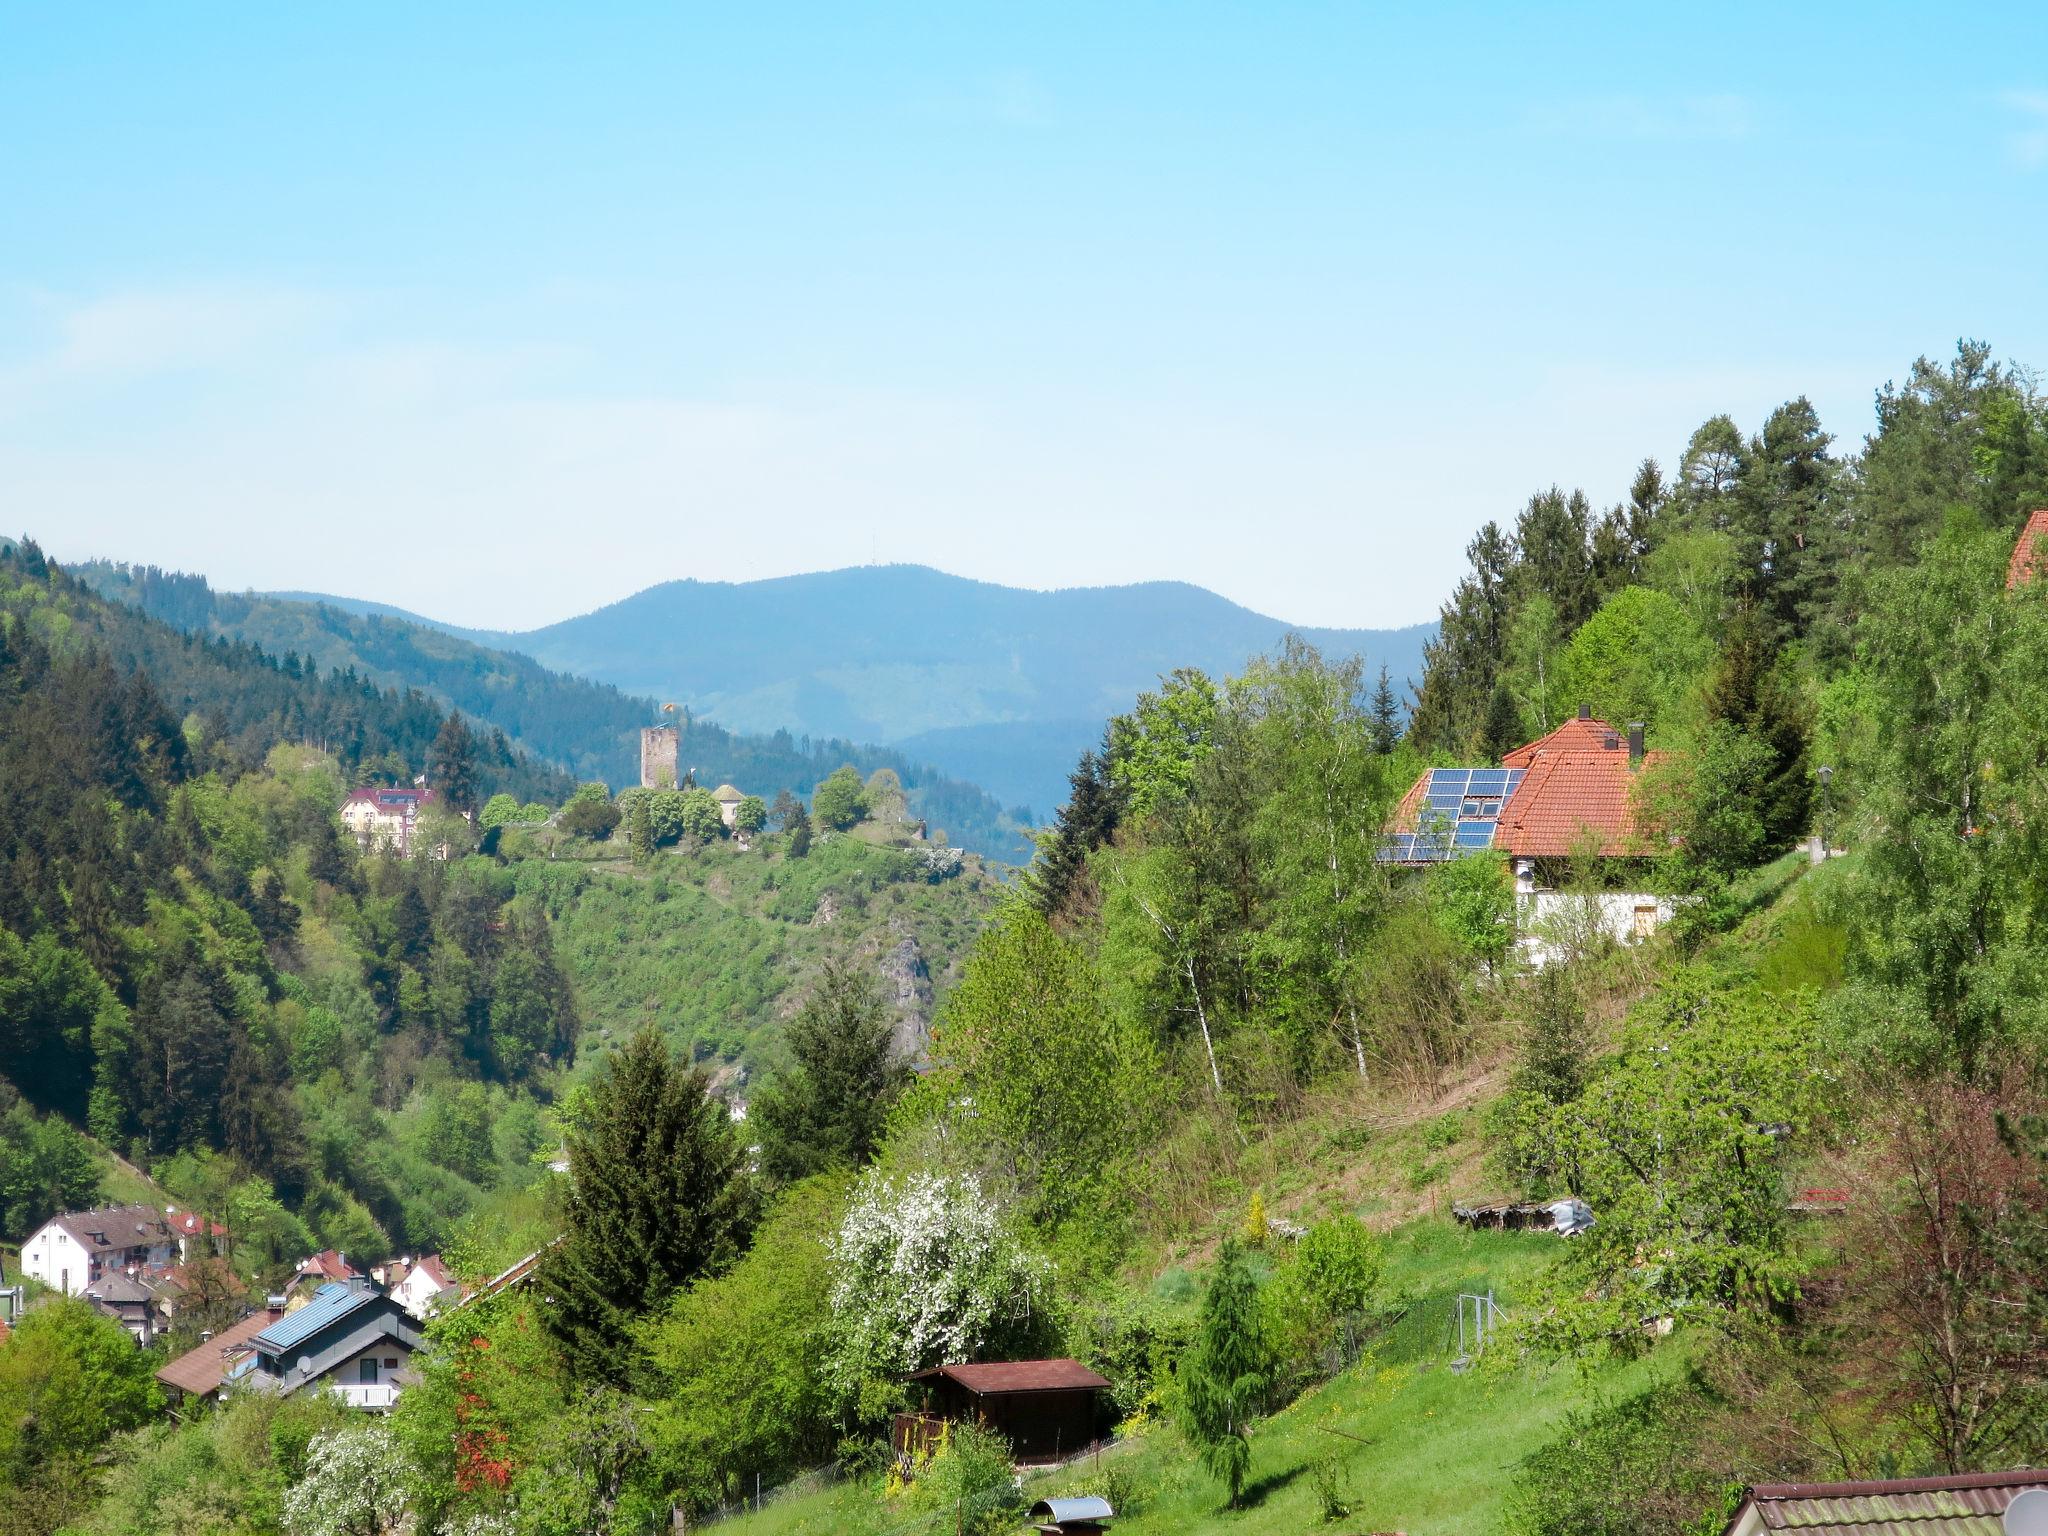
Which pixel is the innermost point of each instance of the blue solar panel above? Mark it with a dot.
(1459, 814)
(329, 1302)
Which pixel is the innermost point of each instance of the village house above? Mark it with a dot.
(2029, 552)
(421, 1287)
(384, 818)
(350, 1339)
(201, 1372)
(1551, 804)
(326, 1267)
(728, 799)
(77, 1249)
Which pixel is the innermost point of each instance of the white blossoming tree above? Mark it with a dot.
(355, 1485)
(927, 1273)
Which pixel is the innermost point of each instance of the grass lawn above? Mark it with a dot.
(1423, 1449)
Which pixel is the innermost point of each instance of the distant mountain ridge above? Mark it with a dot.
(587, 727)
(1003, 685)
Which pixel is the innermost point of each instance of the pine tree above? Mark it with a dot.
(658, 1195)
(829, 1109)
(451, 765)
(1224, 1376)
(1554, 1045)
(1086, 822)
(1503, 729)
(1383, 714)
(1745, 692)
(797, 826)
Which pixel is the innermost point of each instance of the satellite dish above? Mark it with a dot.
(2027, 1514)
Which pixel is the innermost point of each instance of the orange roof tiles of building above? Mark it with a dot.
(1583, 734)
(1970, 1505)
(1574, 800)
(1578, 791)
(2030, 552)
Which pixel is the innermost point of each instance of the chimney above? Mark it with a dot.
(1635, 743)
(1585, 711)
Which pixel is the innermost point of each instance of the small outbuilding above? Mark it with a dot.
(1080, 1516)
(1047, 1409)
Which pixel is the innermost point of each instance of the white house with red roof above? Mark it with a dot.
(423, 1287)
(1551, 804)
(384, 817)
(74, 1250)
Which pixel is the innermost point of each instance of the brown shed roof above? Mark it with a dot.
(1970, 1505)
(1003, 1376)
(199, 1371)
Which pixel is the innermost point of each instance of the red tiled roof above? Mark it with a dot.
(329, 1264)
(199, 1371)
(1567, 795)
(1002, 1376)
(186, 1224)
(386, 797)
(1574, 735)
(1410, 808)
(1911, 1506)
(2029, 552)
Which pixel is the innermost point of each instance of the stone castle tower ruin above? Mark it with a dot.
(658, 744)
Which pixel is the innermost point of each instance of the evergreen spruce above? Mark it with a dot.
(1383, 714)
(797, 824)
(829, 1109)
(451, 765)
(1503, 730)
(1224, 1376)
(658, 1195)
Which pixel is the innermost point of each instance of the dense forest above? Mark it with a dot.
(591, 730)
(1213, 1074)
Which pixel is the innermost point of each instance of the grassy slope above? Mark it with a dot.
(1440, 1446)
(713, 946)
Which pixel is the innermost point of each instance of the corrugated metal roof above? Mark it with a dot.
(1085, 1507)
(330, 1302)
(1970, 1505)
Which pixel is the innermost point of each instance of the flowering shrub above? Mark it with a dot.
(355, 1485)
(926, 1273)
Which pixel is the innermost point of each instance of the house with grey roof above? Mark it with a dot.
(76, 1249)
(351, 1339)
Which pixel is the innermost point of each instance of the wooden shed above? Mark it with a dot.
(1046, 1409)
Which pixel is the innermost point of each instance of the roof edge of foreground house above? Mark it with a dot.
(1969, 1504)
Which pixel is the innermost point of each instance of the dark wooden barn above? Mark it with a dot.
(1046, 1409)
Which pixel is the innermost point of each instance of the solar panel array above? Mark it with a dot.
(329, 1302)
(1460, 810)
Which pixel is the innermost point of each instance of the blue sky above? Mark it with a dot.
(1283, 300)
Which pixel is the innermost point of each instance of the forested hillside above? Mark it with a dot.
(1214, 1076)
(201, 971)
(589, 729)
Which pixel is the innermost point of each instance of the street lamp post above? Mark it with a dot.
(1827, 808)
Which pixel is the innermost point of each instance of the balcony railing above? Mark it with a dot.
(375, 1396)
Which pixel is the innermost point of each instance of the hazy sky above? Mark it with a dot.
(503, 312)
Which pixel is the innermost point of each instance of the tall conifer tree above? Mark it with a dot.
(658, 1195)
